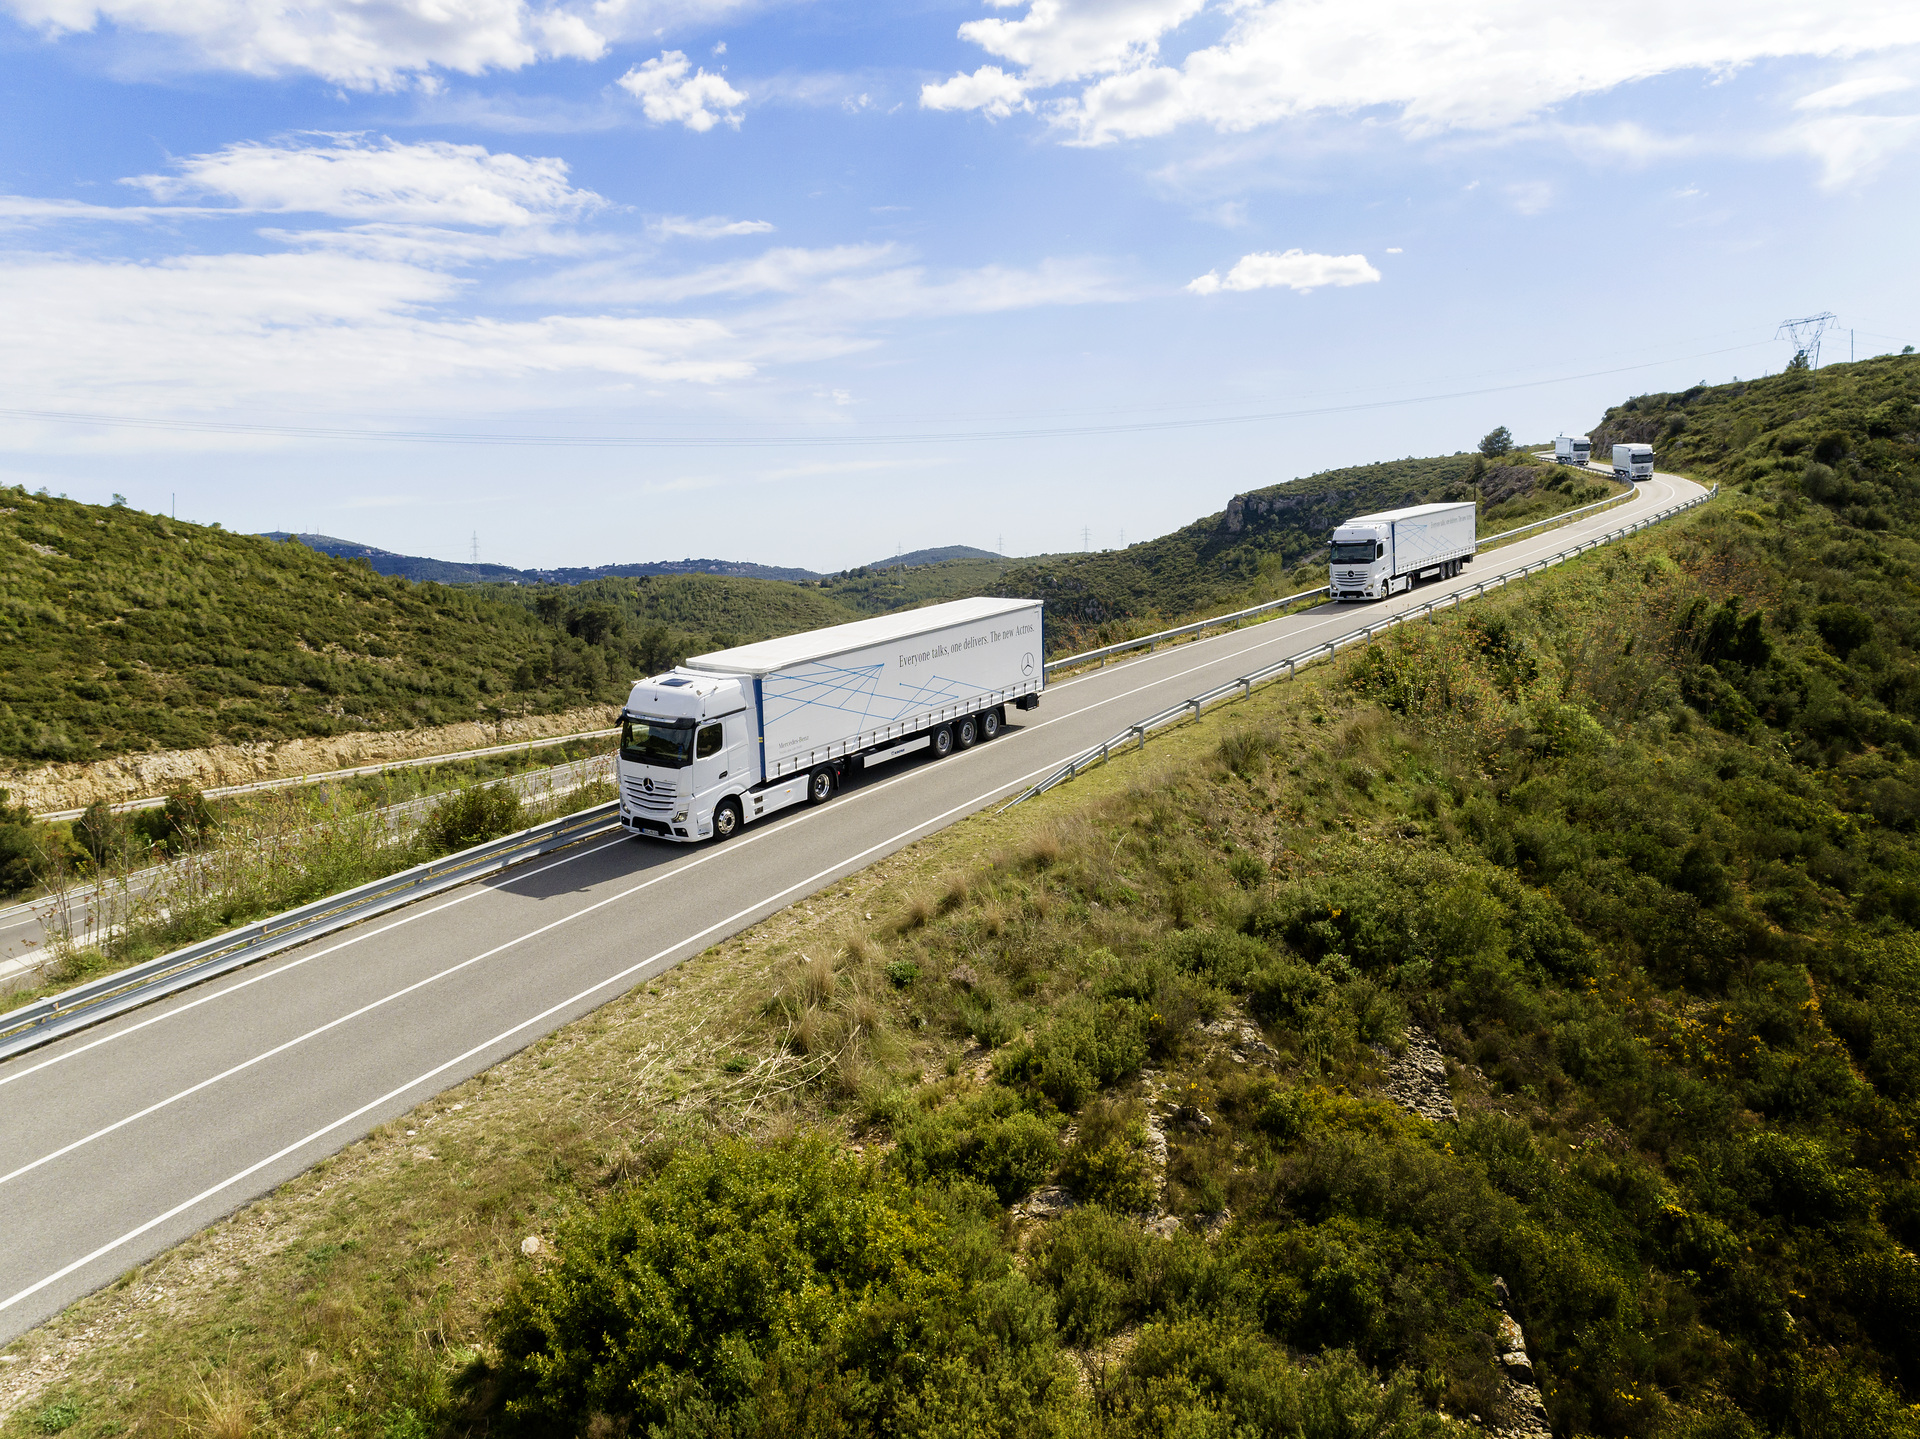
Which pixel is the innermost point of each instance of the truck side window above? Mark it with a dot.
(1379, 549)
(708, 744)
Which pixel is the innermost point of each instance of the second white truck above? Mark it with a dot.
(1633, 463)
(729, 738)
(1375, 556)
(1572, 450)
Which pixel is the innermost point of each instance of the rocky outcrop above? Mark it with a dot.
(57, 787)
(1522, 1413)
(1417, 1078)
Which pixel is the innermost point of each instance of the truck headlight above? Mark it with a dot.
(680, 816)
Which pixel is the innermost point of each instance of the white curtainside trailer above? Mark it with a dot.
(731, 737)
(1374, 556)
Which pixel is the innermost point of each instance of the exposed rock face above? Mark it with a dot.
(1522, 1413)
(56, 787)
(1241, 1036)
(1417, 1079)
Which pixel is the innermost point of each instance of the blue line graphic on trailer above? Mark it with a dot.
(854, 691)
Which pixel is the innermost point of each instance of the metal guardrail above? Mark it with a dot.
(33, 1025)
(1245, 683)
(1149, 642)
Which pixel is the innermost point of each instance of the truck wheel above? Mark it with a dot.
(820, 786)
(989, 724)
(726, 819)
(966, 732)
(942, 741)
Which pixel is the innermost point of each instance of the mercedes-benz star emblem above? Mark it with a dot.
(647, 785)
(1026, 665)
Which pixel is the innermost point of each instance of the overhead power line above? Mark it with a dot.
(803, 441)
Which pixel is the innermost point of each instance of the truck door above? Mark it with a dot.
(709, 762)
(740, 767)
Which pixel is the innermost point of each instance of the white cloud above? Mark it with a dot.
(1851, 148)
(374, 45)
(360, 178)
(1530, 197)
(1852, 92)
(1476, 64)
(200, 333)
(1296, 269)
(989, 89)
(713, 227)
(1395, 250)
(667, 93)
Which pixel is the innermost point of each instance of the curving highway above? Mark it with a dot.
(120, 1141)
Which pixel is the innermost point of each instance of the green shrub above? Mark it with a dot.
(1081, 1048)
(989, 1138)
(472, 816)
(1108, 1164)
(774, 1289)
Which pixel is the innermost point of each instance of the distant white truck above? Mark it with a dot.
(732, 737)
(1374, 556)
(1572, 450)
(1633, 463)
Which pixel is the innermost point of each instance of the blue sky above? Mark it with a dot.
(615, 280)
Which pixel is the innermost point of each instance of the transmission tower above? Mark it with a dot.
(1804, 334)
(1086, 537)
(474, 548)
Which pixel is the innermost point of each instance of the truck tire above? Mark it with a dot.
(942, 742)
(990, 724)
(820, 786)
(966, 732)
(726, 819)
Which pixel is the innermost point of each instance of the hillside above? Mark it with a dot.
(454, 572)
(1272, 541)
(935, 556)
(1511, 1028)
(123, 632)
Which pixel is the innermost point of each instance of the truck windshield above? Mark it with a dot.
(1354, 552)
(668, 743)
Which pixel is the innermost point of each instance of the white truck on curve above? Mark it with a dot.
(731, 737)
(1633, 463)
(1572, 450)
(1375, 556)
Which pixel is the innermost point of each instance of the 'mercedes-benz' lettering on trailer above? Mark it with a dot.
(795, 713)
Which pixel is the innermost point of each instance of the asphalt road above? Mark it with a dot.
(123, 1140)
(25, 928)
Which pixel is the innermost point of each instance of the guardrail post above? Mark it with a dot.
(1194, 705)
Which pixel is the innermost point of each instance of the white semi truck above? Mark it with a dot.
(729, 738)
(1633, 463)
(1572, 450)
(1379, 555)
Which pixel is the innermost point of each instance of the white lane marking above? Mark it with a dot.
(1258, 642)
(500, 1038)
(427, 911)
(337, 1021)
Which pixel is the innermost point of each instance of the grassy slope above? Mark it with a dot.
(122, 631)
(1268, 543)
(1646, 867)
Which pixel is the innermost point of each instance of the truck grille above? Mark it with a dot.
(656, 803)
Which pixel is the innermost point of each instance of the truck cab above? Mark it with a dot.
(1360, 565)
(686, 743)
(1633, 463)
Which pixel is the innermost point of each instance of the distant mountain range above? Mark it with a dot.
(933, 557)
(449, 572)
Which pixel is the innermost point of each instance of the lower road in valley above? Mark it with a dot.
(120, 1141)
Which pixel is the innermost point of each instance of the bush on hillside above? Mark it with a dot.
(472, 816)
(776, 1289)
